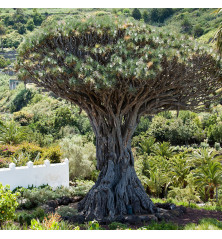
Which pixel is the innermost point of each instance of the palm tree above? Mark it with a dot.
(157, 181)
(180, 170)
(202, 157)
(209, 176)
(163, 150)
(146, 146)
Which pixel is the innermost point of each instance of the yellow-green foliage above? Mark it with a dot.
(23, 117)
(25, 152)
(53, 154)
(8, 203)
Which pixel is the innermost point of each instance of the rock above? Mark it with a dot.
(166, 216)
(178, 211)
(148, 218)
(183, 209)
(52, 203)
(80, 219)
(132, 219)
(77, 199)
(168, 206)
(47, 208)
(64, 200)
(120, 218)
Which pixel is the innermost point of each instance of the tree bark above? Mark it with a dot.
(118, 190)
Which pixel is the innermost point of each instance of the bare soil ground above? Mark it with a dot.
(194, 215)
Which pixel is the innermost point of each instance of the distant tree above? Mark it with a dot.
(145, 16)
(21, 28)
(126, 11)
(118, 70)
(198, 31)
(30, 25)
(186, 26)
(2, 32)
(37, 17)
(154, 15)
(19, 16)
(136, 14)
(164, 13)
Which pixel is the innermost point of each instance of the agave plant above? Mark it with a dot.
(11, 133)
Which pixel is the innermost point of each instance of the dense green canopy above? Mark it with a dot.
(102, 54)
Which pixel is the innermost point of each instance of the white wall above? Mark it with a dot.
(54, 175)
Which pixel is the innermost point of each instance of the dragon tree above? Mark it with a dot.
(118, 70)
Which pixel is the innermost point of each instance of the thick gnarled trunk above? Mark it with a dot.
(118, 190)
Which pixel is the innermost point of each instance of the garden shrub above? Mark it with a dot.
(23, 117)
(198, 31)
(21, 100)
(215, 132)
(12, 133)
(63, 117)
(35, 196)
(13, 39)
(82, 157)
(8, 203)
(52, 222)
(66, 211)
(4, 62)
(25, 217)
(53, 154)
(31, 149)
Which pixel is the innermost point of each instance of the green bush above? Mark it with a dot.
(13, 39)
(30, 25)
(21, 100)
(186, 26)
(82, 157)
(23, 117)
(8, 203)
(30, 149)
(21, 28)
(53, 154)
(198, 31)
(66, 211)
(4, 62)
(136, 14)
(37, 17)
(12, 133)
(25, 217)
(215, 133)
(63, 117)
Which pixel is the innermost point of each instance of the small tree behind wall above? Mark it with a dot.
(118, 71)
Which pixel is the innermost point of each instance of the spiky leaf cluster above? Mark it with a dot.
(104, 54)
